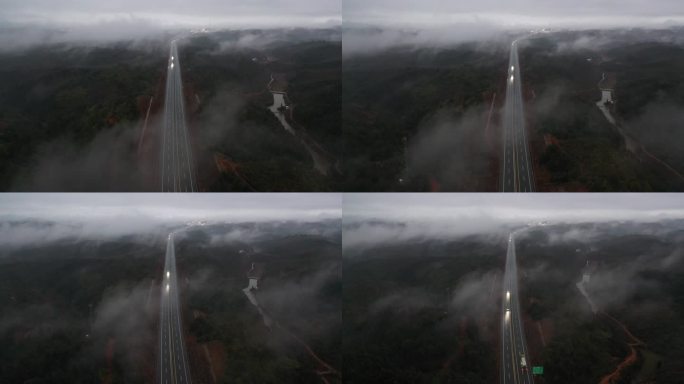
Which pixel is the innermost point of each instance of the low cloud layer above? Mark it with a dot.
(107, 163)
(126, 315)
(359, 39)
(368, 234)
(27, 218)
(121, 323)
(658, 127)
(472, 291)
(471, 298)
(28, 22)
(371, 219)
(173, 207)
(291, 300)
(516, 13)
(219, 118)
(513, 208)
(175, 13)
(450, 149)
(21, 234)
(629, 267)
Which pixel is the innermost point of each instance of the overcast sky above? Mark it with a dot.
(462, 207)
(197, 13)
(510, 13)
(170, 207)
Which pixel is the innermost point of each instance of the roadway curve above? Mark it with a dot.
(517, 175)
(173, 360)
(513, 344)
(177, 168)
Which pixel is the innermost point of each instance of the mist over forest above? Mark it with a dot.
(81, 292)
